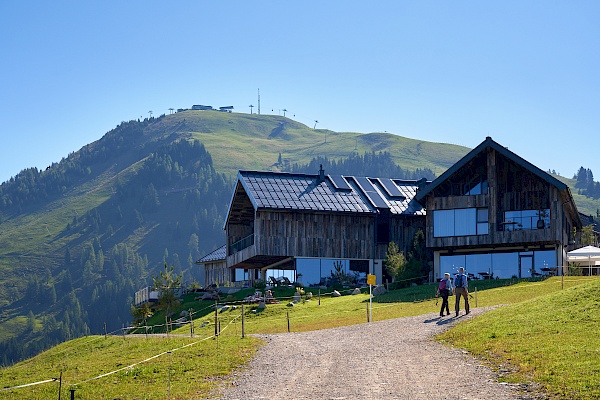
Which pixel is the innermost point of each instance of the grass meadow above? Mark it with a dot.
(545, 332)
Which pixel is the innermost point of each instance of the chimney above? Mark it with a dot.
(321, 177)
(421, 183)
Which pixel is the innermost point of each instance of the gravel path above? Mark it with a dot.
(393, 359)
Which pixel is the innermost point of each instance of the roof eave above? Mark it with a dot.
(489, 142)
(240, 181)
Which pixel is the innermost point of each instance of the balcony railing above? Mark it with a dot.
(525, 223)
(241, 244)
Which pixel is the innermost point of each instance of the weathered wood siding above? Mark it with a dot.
(236, 232)
(517, 189)
(216, 272)
(302, 234)
(402, 231)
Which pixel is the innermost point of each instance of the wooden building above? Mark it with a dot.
(303, 226)
(215, 268)
(498, 215)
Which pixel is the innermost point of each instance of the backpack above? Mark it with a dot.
(442, 284)
(459, 282)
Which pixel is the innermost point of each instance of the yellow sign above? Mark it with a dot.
(371, 279)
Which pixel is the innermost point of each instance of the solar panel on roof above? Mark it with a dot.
(370, 191)
(390, 187)
(339, 182)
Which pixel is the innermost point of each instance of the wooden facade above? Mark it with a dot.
(500, 185)
(501, 205)
(215, 268)
(275, 218)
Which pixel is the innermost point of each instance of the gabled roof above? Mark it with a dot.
(215, 255)
(333, 193)
(488, 142)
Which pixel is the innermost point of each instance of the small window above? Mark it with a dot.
(482, 221)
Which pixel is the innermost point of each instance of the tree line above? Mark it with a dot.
(370, 164)
(170, 210)
(586, 184)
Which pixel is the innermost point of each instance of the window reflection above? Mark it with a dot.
(329, 271)
(460, 222)
(526, 219)
(502, 265)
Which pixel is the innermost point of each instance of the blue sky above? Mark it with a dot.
(525, 73)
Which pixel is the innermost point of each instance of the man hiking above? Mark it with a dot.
(461, 289)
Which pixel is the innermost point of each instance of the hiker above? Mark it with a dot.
(461, 289)
(444, 290)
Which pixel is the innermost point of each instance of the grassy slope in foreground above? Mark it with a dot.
(552, 340)
(194, 368)
(191, 370)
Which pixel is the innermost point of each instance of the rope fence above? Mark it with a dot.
(230, 320)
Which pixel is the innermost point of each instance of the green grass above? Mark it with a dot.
(250, 138)
(348, 310)
(551, 339)
(35, 238)
(545, 333)
(191, 372)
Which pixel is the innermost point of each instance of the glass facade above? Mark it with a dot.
(320, 271)
(523, 264)
(460, 222)
(526, 219)
(476, 187)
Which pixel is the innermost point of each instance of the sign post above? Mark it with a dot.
(371, 280)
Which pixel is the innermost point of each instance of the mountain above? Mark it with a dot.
(80, 237)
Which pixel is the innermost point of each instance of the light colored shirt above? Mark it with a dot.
(461, 281)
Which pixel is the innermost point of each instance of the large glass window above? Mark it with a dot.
(315, 271)
(241, 274)
(460, 222)
(465, 222)
(443, 223)
(526, 220)
(544, 262)
(476, 187)
(501, 265)
(451, 264)
(279, 274)
(479, 264)
(310, 270)
(469, 180)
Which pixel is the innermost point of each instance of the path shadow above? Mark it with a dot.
(441, 321)
(446, 321)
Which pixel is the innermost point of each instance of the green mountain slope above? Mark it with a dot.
(256, 141)
(78, 239)
(585, 204)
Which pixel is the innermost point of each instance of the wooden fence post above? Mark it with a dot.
(191, 322)
(243, 322)
(216, 318)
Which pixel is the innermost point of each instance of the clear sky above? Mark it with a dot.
(526, 73)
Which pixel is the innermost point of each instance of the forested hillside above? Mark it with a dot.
(369, 164)
(78, 238)
(168, 205)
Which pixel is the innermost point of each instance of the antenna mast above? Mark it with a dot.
(258, 101)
